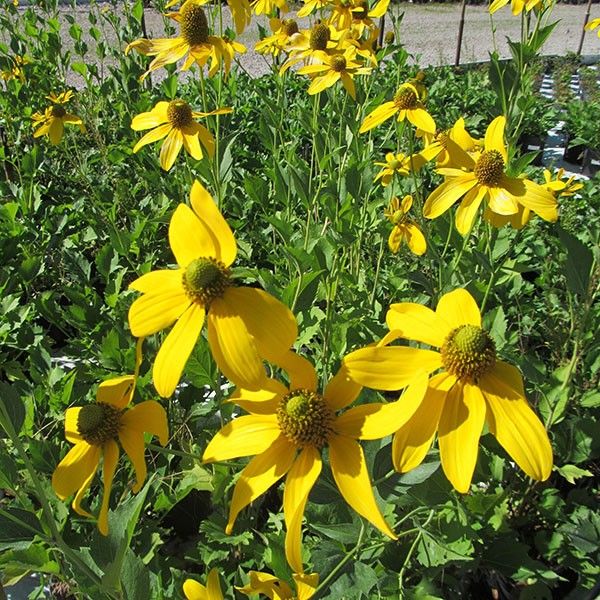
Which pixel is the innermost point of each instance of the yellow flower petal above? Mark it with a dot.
(213, 587)
(459, 431)
(379, 115)
(194, 590)
(513, 422)
(259, 475)
(500, 200)
(190, 238)
(74, 469)
(222, 236)
(261, 402)
(417, 322)
(170, 148)
(160, 279)
(468, 209)
(349, 470)
(147, 417)
(176, 349)
(306, 585)
(320, 83)
(300, 371)
(232, 346)
(133, 444)
(270, 322)
(413, 440)
(155, 311)
(191, 143)
(420, 118)
(81, 492)
(377, 420)
(390, 368)
(341, 390)
(110, 451)
(55, 130)
(116, 391)
(494, 137)
(148, 120)
(444, 196)
(153, 136)
(299, 481)
(71, 429)
(458, 308)
(244, 436)
(540, 200)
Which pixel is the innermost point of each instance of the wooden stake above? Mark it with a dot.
(461, 27)
(586, 19)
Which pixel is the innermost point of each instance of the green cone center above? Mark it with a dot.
(58, 111)
(98, 423)
(489, 168)
(179, 114)
(205, 279)
(305, 419)
(468, 353)
(193, 22)
(338, 63)
(406, 98)
(319, 36)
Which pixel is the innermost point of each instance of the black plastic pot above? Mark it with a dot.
(591, 162)
(532, 143)
(574, 154)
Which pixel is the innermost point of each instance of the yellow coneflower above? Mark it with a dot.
(52, 121)
(404, 228)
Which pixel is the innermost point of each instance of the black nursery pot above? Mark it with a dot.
(591, 162)
(533, 143)
(574, 154)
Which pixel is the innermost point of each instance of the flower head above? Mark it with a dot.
(482, 177)
(407, 104)
(404, 228)
(245, 324)
(194, 42)
(466, 385)
(52, 121)
(95, 430)
(593, 24)
(559, 186)
(277, 589)
(287, 428)
(398, 164)
(175, 121)
(283, 30)
(16, 70)
(196, 591)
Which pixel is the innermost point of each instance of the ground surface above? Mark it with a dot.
(428, 31)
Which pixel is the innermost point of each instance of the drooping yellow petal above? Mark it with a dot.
(500, 200)
(377, 420)
(55, 130)
(170, 148)
(116, 391)
(306, 585)
(413, 440)
(494, 137)
(459, 431)
(176, 349)
(194, 590)
(300, 371)
(420, 118)
(415, 239)
(348, 84)
(299, 481)
(497, 4)
(221, 235)
(444, 196)
(417, 322)
(232, 346)
(74, 469)
(133, 444)
(259, 475)
(147, 417)
(379, 115)
(82, 491)
(270, 322)
(153, 136)
(155, 311)
(349, 470)
(243, 436)
(391, 367)
(165, 279)
(191, 143)
(458, 308)
(267, 584)
(110, 452)
(341, 390)
(190, 238)
(468, 209)
(148, 120)
(513, 422)
(71, 429)
(213, 587)
(540, 200)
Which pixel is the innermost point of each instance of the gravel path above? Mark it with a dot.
(428, 32)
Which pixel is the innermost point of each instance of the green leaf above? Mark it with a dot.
(579, 263)
(18, 528)
(571, 473)
(13, 406)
